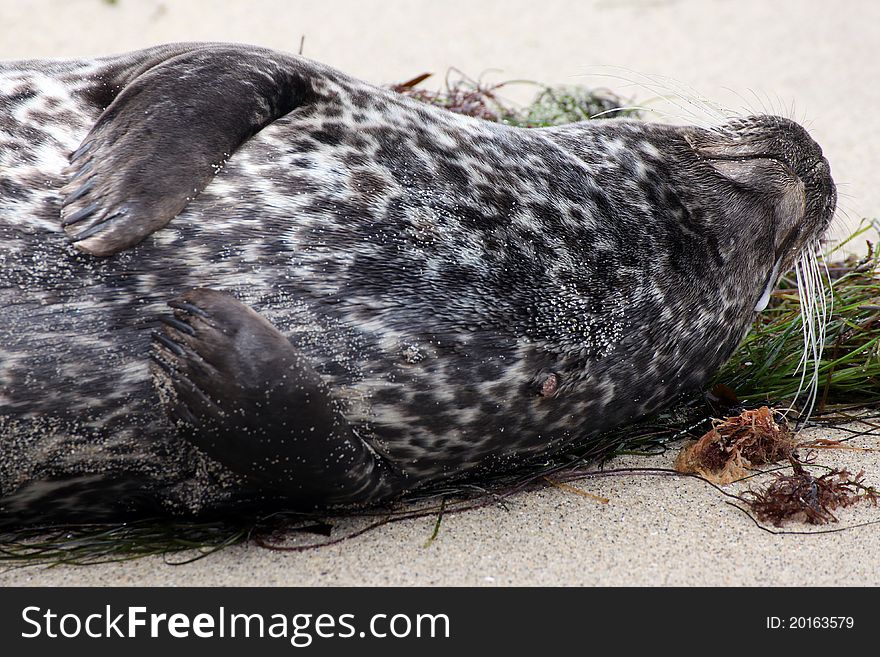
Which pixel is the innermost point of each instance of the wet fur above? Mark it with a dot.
(469, 295)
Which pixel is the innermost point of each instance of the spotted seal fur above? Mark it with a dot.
(228, 271)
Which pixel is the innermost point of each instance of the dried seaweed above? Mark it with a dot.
(801, 495)
(460, 95)
(737, 444)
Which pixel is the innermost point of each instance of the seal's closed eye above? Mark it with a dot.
(139, 166)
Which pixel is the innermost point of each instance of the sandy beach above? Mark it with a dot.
(815, 61)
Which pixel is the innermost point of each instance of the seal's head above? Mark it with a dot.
(777, 185)
(773, 162)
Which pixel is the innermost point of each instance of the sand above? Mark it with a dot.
(813, 60)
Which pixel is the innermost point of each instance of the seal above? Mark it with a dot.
(229, 274)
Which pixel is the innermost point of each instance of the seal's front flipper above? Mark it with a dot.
(168, 131)
(245, 396)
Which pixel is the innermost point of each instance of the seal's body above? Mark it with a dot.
(367, 294)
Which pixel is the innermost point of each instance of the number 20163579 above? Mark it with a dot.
(810, 623)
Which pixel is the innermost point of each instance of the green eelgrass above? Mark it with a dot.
(763, 370)
(567, 104)
(765, 367)
(103, 543)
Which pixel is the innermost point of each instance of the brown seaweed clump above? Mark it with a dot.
(736, 444)
(461, 96)
(813, 499)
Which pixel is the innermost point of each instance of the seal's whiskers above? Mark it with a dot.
(701, 107)
(816, 309)
(691, 96)
(846, 222)
(683, 103)
(626, 108)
